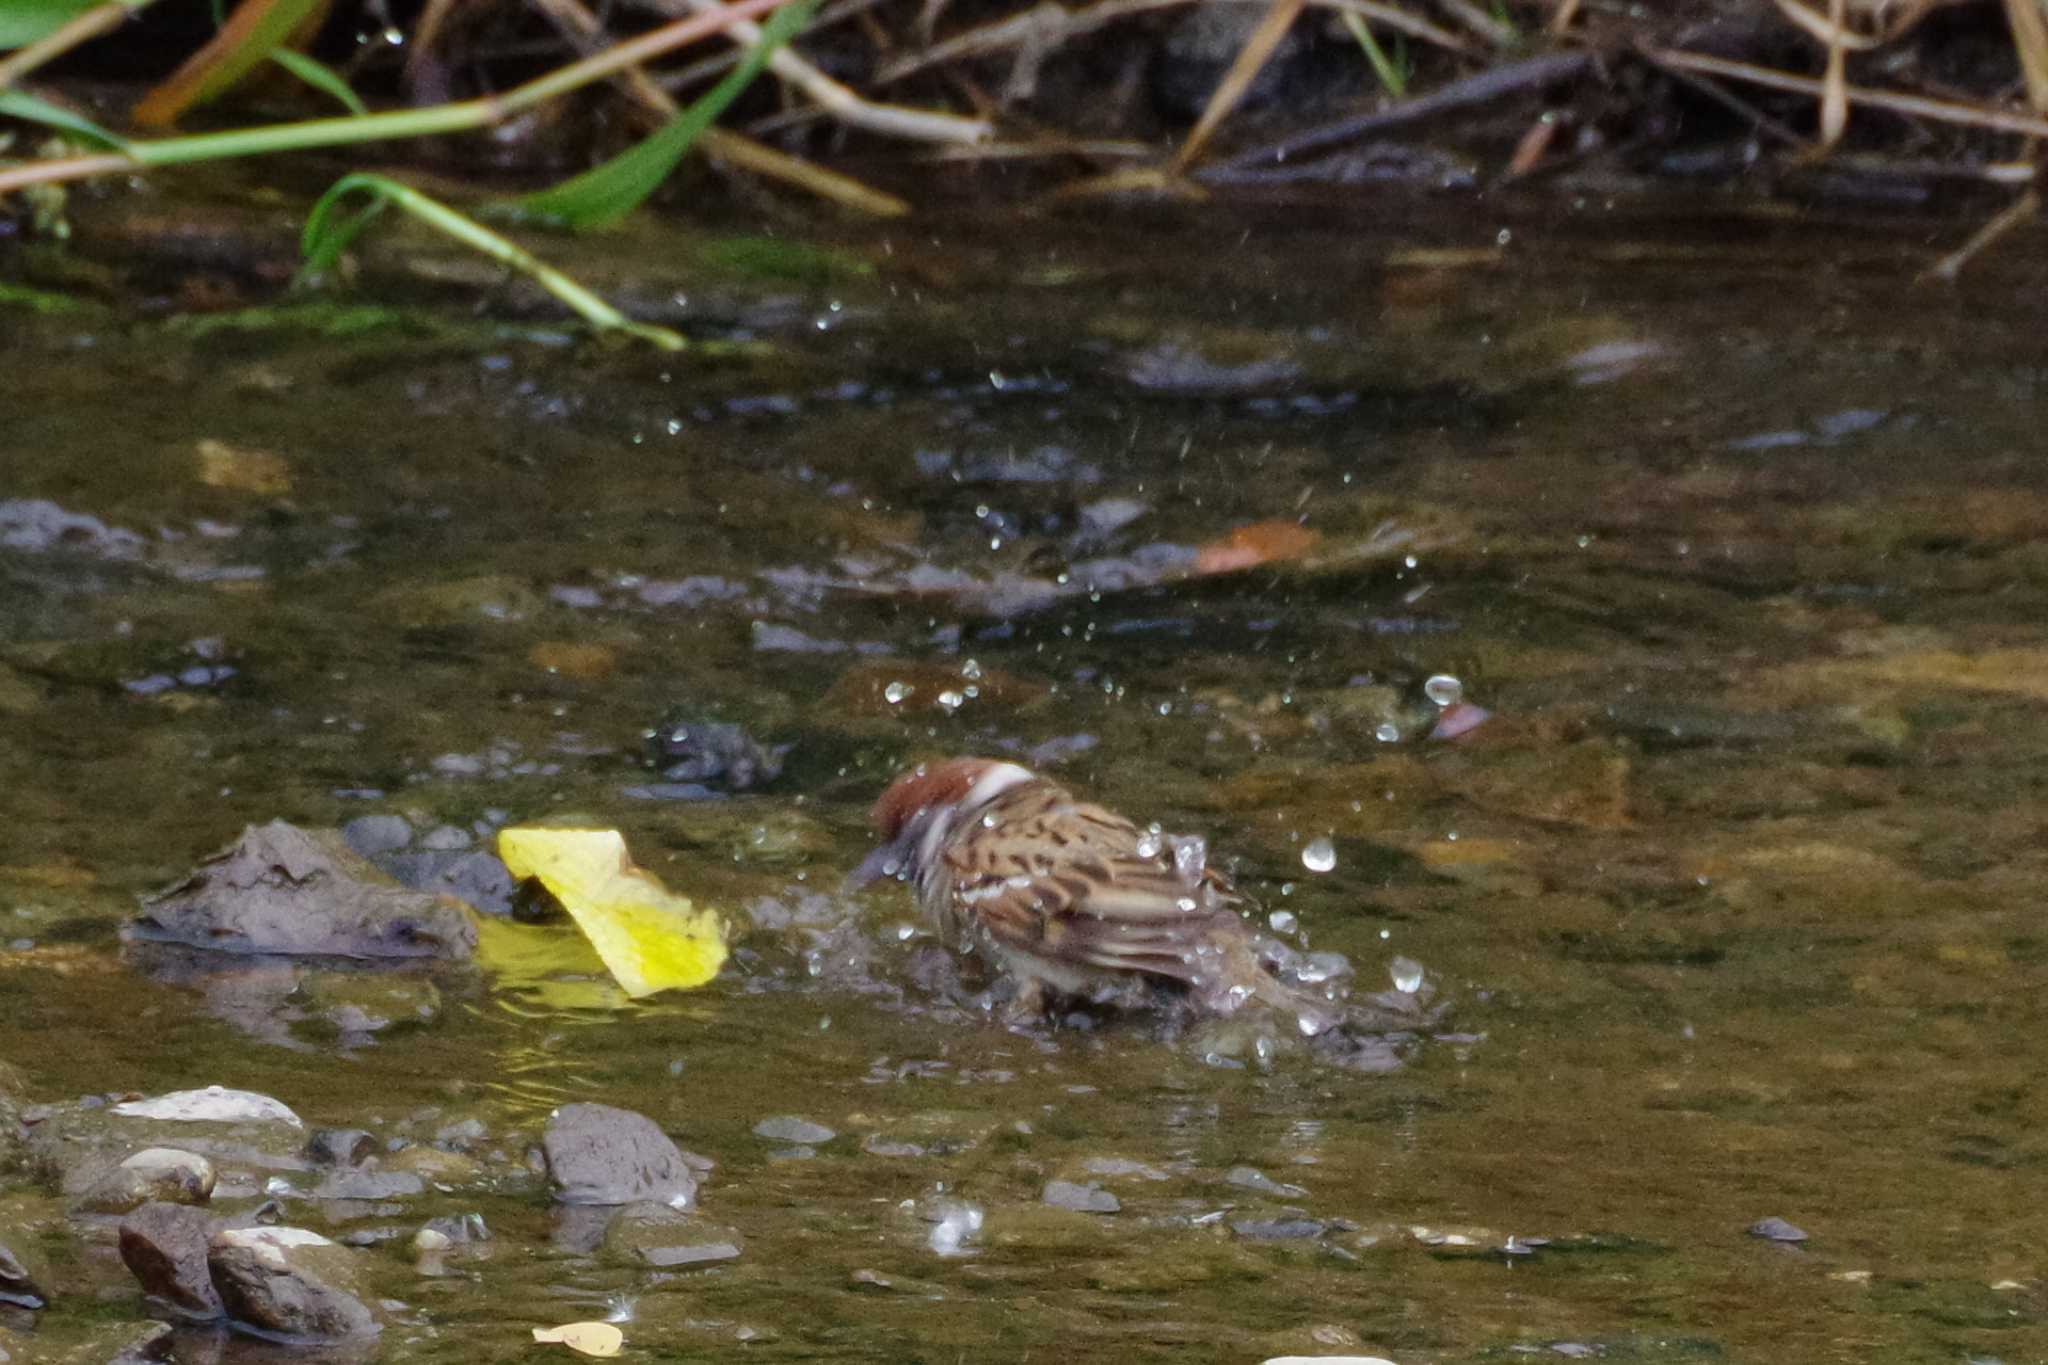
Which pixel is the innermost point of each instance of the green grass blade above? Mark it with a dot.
(24, 21)
(320, 77)
(325, 238)
(606, 193)
(1389, 72)
(22, 105)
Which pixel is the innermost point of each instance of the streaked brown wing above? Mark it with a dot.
(1075, 887)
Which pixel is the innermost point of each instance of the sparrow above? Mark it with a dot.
(1068, 898)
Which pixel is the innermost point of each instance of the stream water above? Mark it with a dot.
(1731, 906)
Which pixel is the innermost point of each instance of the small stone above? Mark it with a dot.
(658, 1236)
(789, 1128)
(463, 1135)
(164, 1246)
(149, 1344)
(368, 1185)
(289, 1282)
(1067, 1194)
(339, 1146)
(375, 835)
(460, 1228)
(876, 1145)
(1251, 1178)
(155, 1174)
(436, 1167)
(1777, 1230)
(17, 1285)
(597, 1154)
(214, 1104)
(1277, 1229)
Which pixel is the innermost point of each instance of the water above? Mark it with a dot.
(1737, 922)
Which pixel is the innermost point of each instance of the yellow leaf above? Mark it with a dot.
(585, 1338)
(650, 938)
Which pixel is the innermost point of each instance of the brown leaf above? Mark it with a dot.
(1261, 542)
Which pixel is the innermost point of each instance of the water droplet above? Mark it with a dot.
(1319, 855)
(1444, 690)
(951, 701)
(1386, 732)
(1283, 921)
(1407, 974)
(896, 692)
(1190, 856)
(1149, 844)
(970, 670)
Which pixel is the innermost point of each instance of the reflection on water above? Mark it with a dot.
(1720, 579)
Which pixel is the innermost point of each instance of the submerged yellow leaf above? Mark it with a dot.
(585, 1338)
(650, 938)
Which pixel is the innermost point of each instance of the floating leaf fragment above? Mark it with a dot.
(650, 938)
(1262, 542)
(584, 1338)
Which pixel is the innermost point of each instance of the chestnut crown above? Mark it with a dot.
(923, 787)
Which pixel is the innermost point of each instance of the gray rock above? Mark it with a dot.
(1777, 1230)
(156, 1174)
(164, 1246)
(1117, 1167)
(790, 1128)
(597, 1154)
(18, 1285)
(289, 1282)
(339, 1146)
(147, 1344)
(369, 1185)
(460, 1229)
(374, 835)
(473, 875)
(1066, 1194)
(659, 1236)
(1251, 1178)
(1277, 1229)
(281, 889)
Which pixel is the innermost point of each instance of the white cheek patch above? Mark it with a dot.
(999, 778)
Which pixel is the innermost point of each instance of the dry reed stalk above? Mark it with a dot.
(890, 120)
(1244, 68)
(579, 25)
(1911, 106)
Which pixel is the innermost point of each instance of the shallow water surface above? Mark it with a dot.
(1731, 905)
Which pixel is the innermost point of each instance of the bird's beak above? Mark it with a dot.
(888, 860)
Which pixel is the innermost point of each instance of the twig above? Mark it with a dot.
(1244, 69)
(579, 24)
(718, 63)
(1475, 90)
(1912, 106)
(891, 120)
(2018, 212)
(78, 29)
(1481, 23)
(331, 132)
(1738, 106)
(1050, 24)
